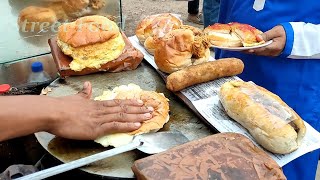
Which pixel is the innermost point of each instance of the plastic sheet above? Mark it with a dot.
(273, 106)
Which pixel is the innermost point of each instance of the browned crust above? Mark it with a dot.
(88, 30)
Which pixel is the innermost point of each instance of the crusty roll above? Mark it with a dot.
(203, 73)
(160, 115)
(34, 19)
(221, 35)
(177, 50)
(152, 42)
(156, 25)
(273, 124)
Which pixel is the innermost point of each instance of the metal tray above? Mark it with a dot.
(181, 119)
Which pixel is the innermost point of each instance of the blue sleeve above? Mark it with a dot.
(289, 39)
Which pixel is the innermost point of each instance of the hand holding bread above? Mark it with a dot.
(273, 124)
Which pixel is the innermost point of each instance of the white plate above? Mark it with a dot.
(243, 48)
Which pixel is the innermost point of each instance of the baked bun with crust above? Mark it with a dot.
(179, 49)
(233, 35)
(91, 41)
(34, 19)
(160, 115)
(272, 123)
(154, 27)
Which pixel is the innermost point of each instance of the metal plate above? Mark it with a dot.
(181, 119)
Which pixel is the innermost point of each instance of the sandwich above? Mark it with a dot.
(160, 115)
(91, 41)
(233, 35)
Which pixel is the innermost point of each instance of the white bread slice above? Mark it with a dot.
(224, 39)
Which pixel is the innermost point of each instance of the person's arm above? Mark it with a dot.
(302, 40)
(296, 40)
(74, 117)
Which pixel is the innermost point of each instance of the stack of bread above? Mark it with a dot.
(36, 18)
(183, 52)
(91, 44)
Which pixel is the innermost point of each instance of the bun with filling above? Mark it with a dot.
(233, 35)
(160, 115)
(91, 41)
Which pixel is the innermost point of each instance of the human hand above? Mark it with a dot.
(278, 35)
(85, 119)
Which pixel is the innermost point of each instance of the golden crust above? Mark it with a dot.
(179, 49)
(267, 118)
(153, 99)
(160, 114)
(174, 51)
(33, 18)
(157, 25)
(87, 31)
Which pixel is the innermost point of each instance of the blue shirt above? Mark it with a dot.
(296, 81)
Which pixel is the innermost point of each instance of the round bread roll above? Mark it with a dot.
(160, 115)
(76, 8)
(176, 51)
(152, 42)
(157, 25)
(273, 124)
(34, 19)
(91, 41)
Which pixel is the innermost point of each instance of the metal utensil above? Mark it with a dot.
(151, 143)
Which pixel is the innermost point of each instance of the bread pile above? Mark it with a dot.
(153, 27)
(160, 115)
(273, 124)
(233, 35)
(36, 18)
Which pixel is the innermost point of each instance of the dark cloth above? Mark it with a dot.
(193, 7)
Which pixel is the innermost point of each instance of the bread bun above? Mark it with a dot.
(157, 25)
(34, 19)
(91, 41)
(160, 115)
(177, 50)
(76, 8)
(269, 120)
(152, 42)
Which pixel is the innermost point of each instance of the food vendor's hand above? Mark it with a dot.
(85, 119)
(278, 35)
